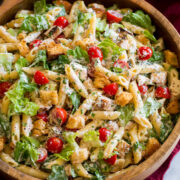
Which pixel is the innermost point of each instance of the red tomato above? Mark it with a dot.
(40, 78)
(163, 92)
(121, 64)
(4, 86)
(35, 43)
(114, 16)
(61, 114)
(42, 155)
(111, 160)
(95, 52)
(104, 134)
(61, 36)
(43, 116)
(145, 53)
(61, 22)
(111, 89)
(143, 89)
(54, 145)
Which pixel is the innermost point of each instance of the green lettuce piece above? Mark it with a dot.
(40, 7)
(26, 151)
(34, 23)
(62, 12)
(4, 126)
(150, 36)
(166, 127)
(21, 62)
(57, 173)
(59, 64)
(127, 113)
(101, 25)
(157, 56)
(150, 106)
(6, 60)
(79, 54)
(109, 47)
(75, 99)
(141, 19)
(41, 57)
(12, 31)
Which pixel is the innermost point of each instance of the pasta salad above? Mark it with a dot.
(85, 90)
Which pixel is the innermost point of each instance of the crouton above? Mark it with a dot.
(100, 80)
(159, 78)
(79, 156)
(48, 97)
(99, 9)
(173, 107)
(67, 5)
(23, 48)
(141, 38)
(171, 58)
(2, 142)
(152, 145)
(76, 122)
(123, 98)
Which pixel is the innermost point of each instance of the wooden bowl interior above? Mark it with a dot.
(172, 41)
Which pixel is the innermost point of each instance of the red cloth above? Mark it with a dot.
(171, 9)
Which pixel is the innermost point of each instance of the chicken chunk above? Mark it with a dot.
(53, 32)
(173, 107)
(98, 8)
(104, 103)
(23, 48)
(76, 122)
(123, 148)
(152, 145)
(39, 128)
(48, 97)
(159, 78)
(100, 80)
(79, 156)
(171, 58)
(111, 126)
(123, 98)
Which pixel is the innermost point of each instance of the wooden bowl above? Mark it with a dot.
(172, 41)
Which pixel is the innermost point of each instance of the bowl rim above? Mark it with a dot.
(148, 166)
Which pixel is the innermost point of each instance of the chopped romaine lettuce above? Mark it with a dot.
(26, 151)
(40, 7)
(57, 173)
(6, 60)
(150, 36)
(127, 113)
(75, 99)
(101, 25)
(4, 126)
(109, 47)
(150, 106)
(12, 31)
(21, 62)
(34, 23)
(141, 19)
(157, 56)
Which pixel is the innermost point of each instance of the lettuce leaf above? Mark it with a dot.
(12, 31)
(150, 106)
(6, 60)
(21, 62)
(4, 126)
(41, 57)
(34, 23)
(109, 47)
(141, 19)
(127, 113)
(75, 99)
(150, 36)
(40, 7)
(101, 25)
(57, 173)
(26, 151)
(80, 54)
(157, 56)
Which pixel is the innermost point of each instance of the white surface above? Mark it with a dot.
(173, 173)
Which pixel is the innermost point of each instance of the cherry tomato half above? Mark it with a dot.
(114, 16)
(111, 89)
(35, 43)
(143, 89)
(54, 145)
(163, 92)
(145, 53)
(4, 86)
(61, 22)
(111, 160)
(121, 64)
(104, 134)
(40, 78)
(61, 114)
(95, 52)
(43, 116)
(42, 155)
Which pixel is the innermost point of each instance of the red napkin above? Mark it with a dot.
(171, 9)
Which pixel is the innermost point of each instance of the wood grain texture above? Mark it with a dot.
(172, 40)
